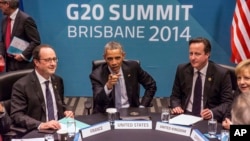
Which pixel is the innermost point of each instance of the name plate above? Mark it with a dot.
(175, 129)
(196, 135)
(134, 124)
(95, 129)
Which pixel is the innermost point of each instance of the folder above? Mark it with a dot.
(17, 46)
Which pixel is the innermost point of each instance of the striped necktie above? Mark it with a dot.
(49, 102)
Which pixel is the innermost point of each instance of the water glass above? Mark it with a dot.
(165, 115)
(49, 137)
(111, 115)
(212, 127)
(71, 127)
(62, 135)
(224, 136)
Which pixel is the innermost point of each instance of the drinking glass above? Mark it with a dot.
(62, 135)
(212, 128)
(111, 115)
(165, 115)
(49, 137)
(71, 127)
(224, 136)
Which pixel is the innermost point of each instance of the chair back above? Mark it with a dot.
(232, 75)
(96, 63)
(8, 79)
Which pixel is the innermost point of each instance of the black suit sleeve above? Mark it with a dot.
(5, 123)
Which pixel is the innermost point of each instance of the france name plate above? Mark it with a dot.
(95, 129)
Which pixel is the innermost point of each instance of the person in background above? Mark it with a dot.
(242, 72)
(116, 72)
(215, 84)
(21, 26)
(37, 100)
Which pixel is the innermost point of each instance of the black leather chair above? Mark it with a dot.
(232, 75)
(95, 63)
(7, 80)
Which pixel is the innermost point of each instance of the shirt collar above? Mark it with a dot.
(203, 70)
(41, 78)
(120, 71)
(13, 15)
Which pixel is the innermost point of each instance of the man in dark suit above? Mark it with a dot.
(30, 107)
(127, 75)
(5, 120)
(23, 27)
(216, 90)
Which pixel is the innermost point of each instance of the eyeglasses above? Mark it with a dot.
(49, 60)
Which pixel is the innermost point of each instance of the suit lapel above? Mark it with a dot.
(188, 81)
(4, 26)
(128, 79)
(16, 23)
(38, 90)
(208, 83)
(55, 86)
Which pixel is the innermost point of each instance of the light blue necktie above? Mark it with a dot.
(118, 92)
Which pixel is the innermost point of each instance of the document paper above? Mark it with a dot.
(184, 119)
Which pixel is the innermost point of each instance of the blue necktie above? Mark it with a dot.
(49, 101)
(118, 89)
(197, 96)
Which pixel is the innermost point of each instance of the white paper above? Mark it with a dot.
(184, 119)
(30, 139)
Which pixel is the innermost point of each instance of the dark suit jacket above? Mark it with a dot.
(24, 28)
(28, 107)
(133, 75)
(5, 123)
(217, 93)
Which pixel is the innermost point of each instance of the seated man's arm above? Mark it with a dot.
(100, 97)
(177, 94)
(226, 96)
(5, 120)
(20, 108)
(149, 85)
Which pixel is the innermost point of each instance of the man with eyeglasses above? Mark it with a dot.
(38, 98)
(18, 24)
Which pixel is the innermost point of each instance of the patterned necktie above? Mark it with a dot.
(197, 95)
(118, 89)
(8, 33)
(49, 101)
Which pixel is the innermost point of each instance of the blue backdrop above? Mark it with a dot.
(155, 32)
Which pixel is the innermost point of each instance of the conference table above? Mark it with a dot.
(131, 134)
